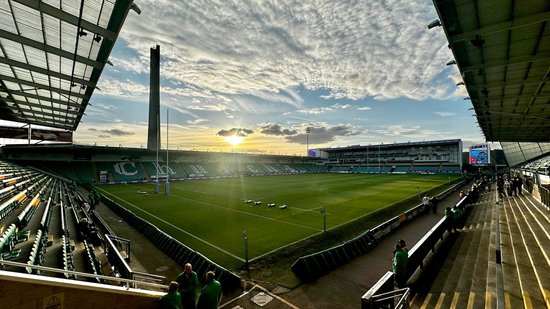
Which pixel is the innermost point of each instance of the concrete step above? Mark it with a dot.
(449, 294)
(526, 273)
(481, 271)
(534, 237)
(472, 269)
(512, 291)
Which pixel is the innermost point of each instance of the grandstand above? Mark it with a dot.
(430, 157)
(56, 245)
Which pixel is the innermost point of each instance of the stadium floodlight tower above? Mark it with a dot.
(167, 186)
(153, 132)
(308, 130)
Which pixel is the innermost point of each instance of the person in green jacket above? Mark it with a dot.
(188, 284)
(172, 299)
(211, 293)
(400, 264)
(457, 212)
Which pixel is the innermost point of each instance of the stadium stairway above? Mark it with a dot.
(468, 277)
(525, 228)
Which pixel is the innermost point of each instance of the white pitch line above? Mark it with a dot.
(243, 212)
(246, 213)
(179, 229)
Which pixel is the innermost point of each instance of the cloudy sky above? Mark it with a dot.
(354, 72)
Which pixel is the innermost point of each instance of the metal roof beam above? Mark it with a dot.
(71, 19)
(34, 119)
(504, 62)
(43, 113)
(509, 83)
(39, 97)
(50, 49)
(33, 68)
(500, 27)
(42, 86)
(508, 98)
(36, 105)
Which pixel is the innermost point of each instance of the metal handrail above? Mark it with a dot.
(403, 294)
(129, 282)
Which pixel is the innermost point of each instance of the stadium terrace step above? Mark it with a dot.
(453, 285)
(529, 233)
(462, 268)
(481, 273)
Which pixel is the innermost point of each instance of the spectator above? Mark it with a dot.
(211, 293)
(450, 220)
(172, 299)
(457, 216)
(426, 202)
(188, 283)
(433, 202)
(400, 264)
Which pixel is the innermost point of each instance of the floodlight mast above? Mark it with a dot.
(158, 143)
(167, 187)
(308, 130)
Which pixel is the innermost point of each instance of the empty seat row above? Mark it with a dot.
(38, 252)
(7, 238)
(67, 256)
(92, 263)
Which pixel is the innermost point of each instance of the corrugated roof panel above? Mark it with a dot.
(13, 50)
(18, 97)
(79, 69)
(68, 37)
(53, 62)
(85, 44)
(40, 78)
(36, 57)
(106, 13)
(91, 10)
(11, 85)
(32, 100)
(54, 3)
(71, 6)
(94, 50)
(52, 30)
(28, 22)
(66, 66)
(6, 70)
(23, 74)
(6, 19)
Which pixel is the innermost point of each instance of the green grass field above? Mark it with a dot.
(210, 215)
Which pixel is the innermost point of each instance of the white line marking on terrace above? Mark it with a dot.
(177, 228)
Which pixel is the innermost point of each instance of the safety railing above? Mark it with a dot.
(128, 283)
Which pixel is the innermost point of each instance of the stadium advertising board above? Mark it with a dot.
(480, 155)
(314, 153)
(50, 135)
(12, 132)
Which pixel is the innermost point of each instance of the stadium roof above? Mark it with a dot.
(52, 53)
(502, 49)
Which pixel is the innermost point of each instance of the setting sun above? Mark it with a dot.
(234, 139)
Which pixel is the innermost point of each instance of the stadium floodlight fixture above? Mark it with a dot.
(110, 63)
(460, 84)
(466, 98)
(451, 62)
(81, 32)
(435, 23)
(136, 8)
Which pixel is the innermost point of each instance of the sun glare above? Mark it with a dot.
(234, 139)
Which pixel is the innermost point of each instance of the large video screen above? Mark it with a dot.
(480, 155)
